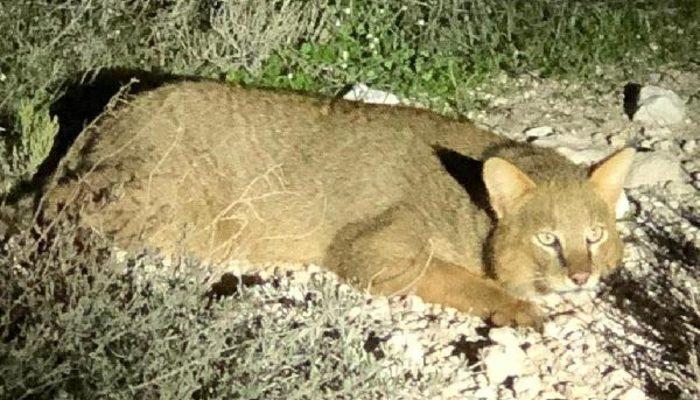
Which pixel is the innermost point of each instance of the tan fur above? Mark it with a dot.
(225, 172)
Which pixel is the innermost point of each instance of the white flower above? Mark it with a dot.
(345, 54)
(421, 22)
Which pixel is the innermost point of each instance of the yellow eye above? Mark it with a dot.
(595, 234)
(547, 239)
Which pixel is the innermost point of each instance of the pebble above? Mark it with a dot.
(618, 377)
(653, 167)
(690, 145)
(502, 362)
(633, 394)
(363, 93)
(539, 352)
(486, 393)
(505, 336)
(622, 207)
(538, 132)
(659, 106)
(415, 304)
(409, 345)
(527, 387)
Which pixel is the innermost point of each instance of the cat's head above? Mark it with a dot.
(555, 234)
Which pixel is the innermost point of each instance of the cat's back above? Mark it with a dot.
(243, 171)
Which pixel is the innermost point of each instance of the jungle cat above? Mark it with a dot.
(224, 172)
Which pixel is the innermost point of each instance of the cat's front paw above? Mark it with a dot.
(519, 313)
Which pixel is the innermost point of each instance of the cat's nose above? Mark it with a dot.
(580, 278)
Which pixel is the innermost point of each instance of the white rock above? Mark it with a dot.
(581, 392)
(551, 395)
(465, 328)
(301, 277)
(539, 352)
(486, 393)
(502, 362)
(622, 207)
(577, 149)
(553, 329)
(361, 92)
(538, 132)
(653, 167)
(409, 345)
(690, 145)
(314, 269)
(415, 304)
(659, 106)
(618, 377)
(527, 387)
(354, 312)
(584, 156)
(633, 394)
(505, 336)
(379, 308)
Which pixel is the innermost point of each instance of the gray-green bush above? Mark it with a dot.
(77, 322)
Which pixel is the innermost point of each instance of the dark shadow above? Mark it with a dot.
(663, 318)
(631, 99)
(82, 101)
(468, 173)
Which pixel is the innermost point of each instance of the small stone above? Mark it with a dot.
(552, 329)
(354, 312)
(465, 328)
(551, 395)
(415, 304)
(539, 352)
(653, 167)
(502, 362)
(505, 336)
(584, 156)
(407, 344)
(301, 277)
(580, 392)
(617, 141)
(618, 377)
(486, 393)
(689, 146)
(538, 132)
(379, 308)
(313, 269)
(361, 92)
(659, 106)
(633, 394)
(527, 387)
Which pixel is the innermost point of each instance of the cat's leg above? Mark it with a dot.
(454, 286)
(392, 254)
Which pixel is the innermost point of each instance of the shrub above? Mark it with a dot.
(76, 321)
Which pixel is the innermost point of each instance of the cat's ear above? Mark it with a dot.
(608, 176)
(505, 184)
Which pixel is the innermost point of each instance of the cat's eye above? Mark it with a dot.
(547, 239)
(595, 234)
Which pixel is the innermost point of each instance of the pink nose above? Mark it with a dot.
(580, 278)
